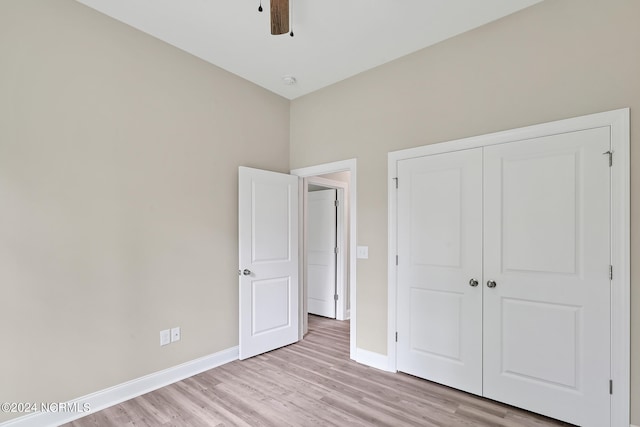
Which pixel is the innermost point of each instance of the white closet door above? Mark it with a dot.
(440, 251)
(546, 247)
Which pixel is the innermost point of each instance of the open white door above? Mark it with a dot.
(321, 253)
(268, 243)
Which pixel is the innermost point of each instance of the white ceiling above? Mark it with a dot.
(334, 39)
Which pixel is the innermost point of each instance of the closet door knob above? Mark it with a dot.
(491, 284)
(473, 283)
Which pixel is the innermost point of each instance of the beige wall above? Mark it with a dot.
(558, 59)
(118, 205)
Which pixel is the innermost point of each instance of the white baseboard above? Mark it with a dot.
(112, 396)
(375, 360)
(631, 425)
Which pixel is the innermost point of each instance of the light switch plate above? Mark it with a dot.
(165, 337)
(362, 252)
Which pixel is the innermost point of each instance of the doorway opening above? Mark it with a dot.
(326, 245)
(337, 178)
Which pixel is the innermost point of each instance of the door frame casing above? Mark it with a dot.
(323, 169)
(342, 312)
(618, 122)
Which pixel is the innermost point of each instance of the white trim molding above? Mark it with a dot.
(373, 359)
(618, 123)
(117, 394)
(342, 166)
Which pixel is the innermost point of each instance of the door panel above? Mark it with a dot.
(270, 302)
(539, 213)
(438, 217)
(536, 332)
(321, 256)
(436, 308)
(440, 250)
(268, 251)
(546, 245)
(271, 222)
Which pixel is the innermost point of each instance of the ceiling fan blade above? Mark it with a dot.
(279, 16)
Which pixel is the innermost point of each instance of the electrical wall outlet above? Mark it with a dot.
(175, 334)
(165, 337)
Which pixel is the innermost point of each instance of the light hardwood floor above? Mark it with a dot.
(310, 383)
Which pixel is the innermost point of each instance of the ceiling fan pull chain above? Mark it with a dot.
(291, 18)
(260, 7)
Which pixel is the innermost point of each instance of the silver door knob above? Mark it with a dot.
(246, 272)
(491, 284)
(473, 283)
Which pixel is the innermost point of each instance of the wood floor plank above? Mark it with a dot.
(310, 383)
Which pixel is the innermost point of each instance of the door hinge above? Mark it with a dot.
(336, 203)
(336, 250)
(610, 386)
(610, 153)
(396, 180)
(396, 259)
(611, 272)
(335, 297)
(396, 337)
